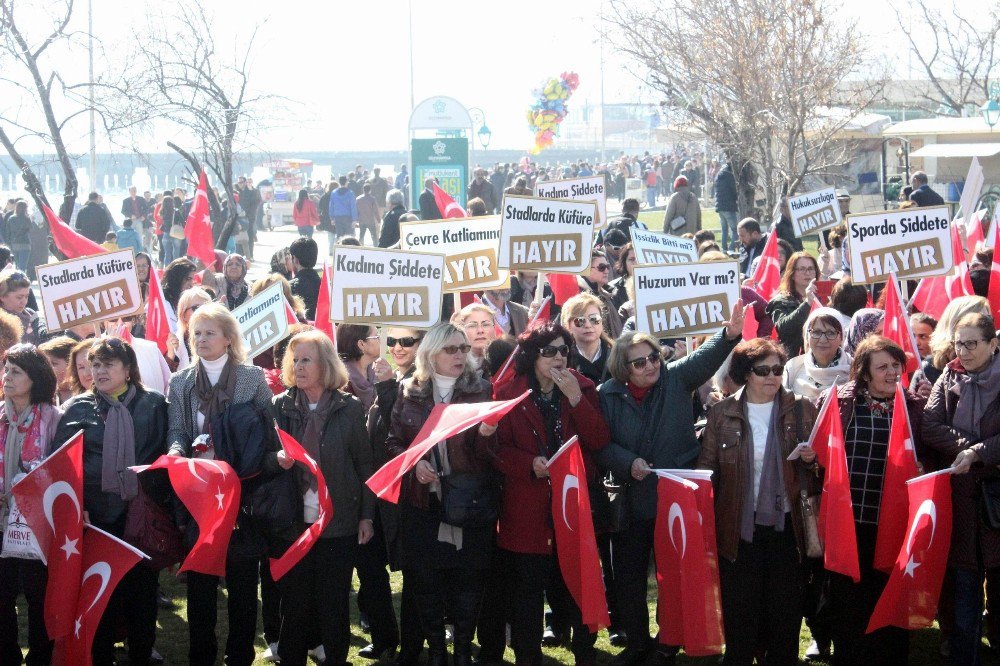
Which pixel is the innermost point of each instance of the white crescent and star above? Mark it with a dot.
(48, 499)
(929, 509)
(571, 481)
(102, 569)
(677, 514)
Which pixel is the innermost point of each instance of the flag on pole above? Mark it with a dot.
(198, 228)
(897, 328)
(934, 293)
(448, 207)
(158, 310)
(767, 276)
(69, 242)
(994, 288)
(323, 322)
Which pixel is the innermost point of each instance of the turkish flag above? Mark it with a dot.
(564, 286)
(768, 273)
(210, 490)
(933, 294)
(994, 291)
(449, 207)
(836, 511)
(974, 230)
(323, 322)
(290, 316)
(900, 467)
(576, 545)
(689, 601)
(750, 325)
(445, 420)
(896, 327)
(543, 314)
(50, 497)
(69, 242)
(157, 318)
(910, 598)
(106, 560)
(282, 565)
(198, 228)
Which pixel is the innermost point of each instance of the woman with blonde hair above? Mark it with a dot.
(178, 354)
(443, 565)
(59, 353)
(479, 324)
(202, 396)
(330, 425)
(81, 378)
(583, 316)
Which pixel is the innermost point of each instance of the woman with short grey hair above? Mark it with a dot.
(396, 202)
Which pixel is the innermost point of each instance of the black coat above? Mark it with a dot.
(786, 232)
(389, 235)
(428, 206)
(93, 222)
(306, 286)
(746, 259)
(725, 190)
(87, 412)
(925, 196)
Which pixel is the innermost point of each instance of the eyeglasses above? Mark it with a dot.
(640, 363)
(764, 370)
(451, 350)
(601, 267)
(549, 351)
(372, 337)
(967, 345)
(580, 322)
(406, 342)
(823, 335)
(477, 324)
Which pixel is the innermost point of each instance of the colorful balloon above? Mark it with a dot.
(549, 109)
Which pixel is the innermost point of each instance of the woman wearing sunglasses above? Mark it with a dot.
(443, 565)
(962, 423)
(648, 408)
(563, 404)
(360, 349)
(866, 410)
(596, 283)
(758, 518)
(582, 315)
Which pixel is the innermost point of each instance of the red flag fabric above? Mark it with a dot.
(210, 490)
(445, 421)
(910, 598)
(106, 560)
(282, 565)
(323, 322)
(974, 230)
(543, 315)
(69, 242)
(896, 327)
(446, 205)
(576, 544)
(157, 318)
(198, 228)
(750, 325)
(290, 316)
(50, 497)
(994, 290)
(689, 601)
(900, 467)
(933, 294)
(836, 512)
(768, 273)
(564, 286)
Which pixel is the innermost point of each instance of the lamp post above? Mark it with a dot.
(991, 109)
(484, 134)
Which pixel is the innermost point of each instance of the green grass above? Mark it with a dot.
(172, 636)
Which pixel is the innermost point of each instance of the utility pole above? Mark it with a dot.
(90, 58)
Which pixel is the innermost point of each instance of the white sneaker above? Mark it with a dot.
(318, 653)
(271, 654)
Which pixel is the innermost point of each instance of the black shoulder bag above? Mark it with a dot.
(468, 499)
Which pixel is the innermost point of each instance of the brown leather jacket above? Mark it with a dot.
(724, 450)
(467, 452)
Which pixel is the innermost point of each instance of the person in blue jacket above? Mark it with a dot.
(343, 211)
(129, 237)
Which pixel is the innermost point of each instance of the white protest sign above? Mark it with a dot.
(262, 320)
(814, 211)
(470, 247)
(391, 287)
(588, 188)
(652, 247)
(973, 187)
(912, 243)
(89, 289)
(548, 235)
(677, 300)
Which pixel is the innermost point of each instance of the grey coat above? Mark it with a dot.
(661, 429)
(184, 403)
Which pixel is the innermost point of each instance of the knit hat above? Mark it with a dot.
(680, 181)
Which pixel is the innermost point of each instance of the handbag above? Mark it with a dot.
(177, 231)
(468, 499)
(989, 493)
(150, 528)
(808, 504)
(276, 507)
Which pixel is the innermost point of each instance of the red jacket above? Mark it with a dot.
(308, 216)
(526, 513)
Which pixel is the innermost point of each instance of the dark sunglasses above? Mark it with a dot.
(549, 351)
(454, 349)
(580, 322)
(640, 363)
(601, 267)
(764, 370)
(406, 342)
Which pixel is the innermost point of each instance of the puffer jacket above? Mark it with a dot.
(726, 450)
(345, 457)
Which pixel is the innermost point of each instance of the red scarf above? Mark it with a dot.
(637, 392)
(31, 449)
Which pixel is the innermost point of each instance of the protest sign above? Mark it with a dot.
(589, 188)
(814, 211)
(548, 235)
(262, 320)
(470, 248)
(677, 300)
(912, 243)
(652, 247)
(390, 287)
(89, 289)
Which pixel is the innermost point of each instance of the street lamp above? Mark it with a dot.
(991, 109)
(484, 135)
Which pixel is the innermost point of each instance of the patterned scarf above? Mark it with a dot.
(23, 443)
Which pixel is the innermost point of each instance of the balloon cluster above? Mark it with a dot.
(550, 109)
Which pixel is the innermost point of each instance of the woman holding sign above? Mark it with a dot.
(962, 423)
(443, 565)
(330, 425)
(790, 306)
(27, 425)
(563, 404)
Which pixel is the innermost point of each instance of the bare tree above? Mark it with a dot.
(189, 82)
(956, 49)
(758, 77)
